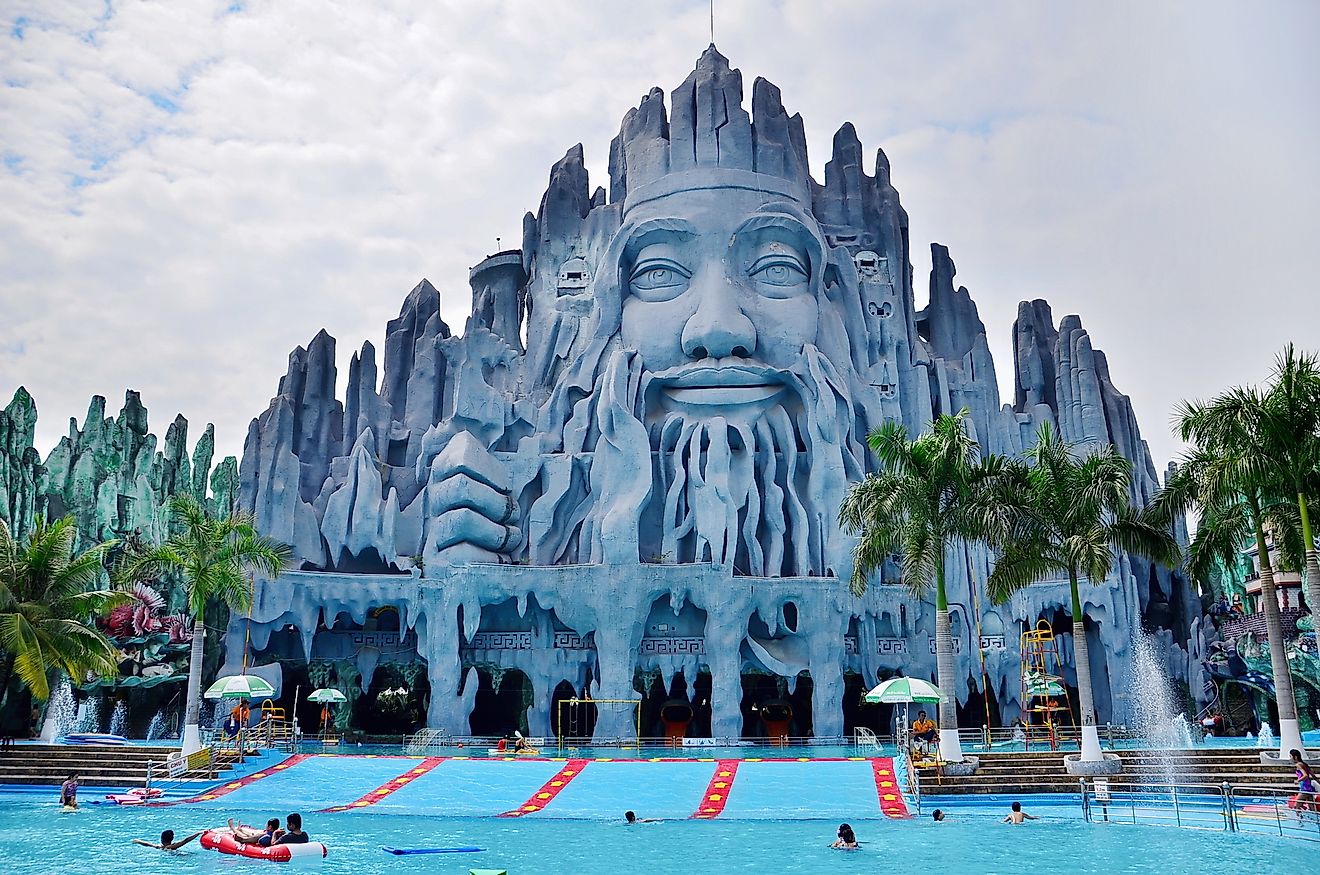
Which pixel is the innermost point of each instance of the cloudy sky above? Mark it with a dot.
(190, 189)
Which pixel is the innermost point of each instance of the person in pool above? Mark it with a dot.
(167, 842)
(69, 792)
(1017, 815)
(937, 815)
(1306, 781)
(294, 835)
(847, 840)
(630, 817)
(250, 835)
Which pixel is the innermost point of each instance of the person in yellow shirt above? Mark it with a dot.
(924, 729)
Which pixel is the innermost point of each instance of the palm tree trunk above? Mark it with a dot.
(192, 733)
(950, 745)
(1290, 734)
(1085, 696)
(1312, 561)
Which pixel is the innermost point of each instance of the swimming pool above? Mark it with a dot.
(96, 841)
(771, 816)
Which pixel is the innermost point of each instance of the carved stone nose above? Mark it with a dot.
(719, 328)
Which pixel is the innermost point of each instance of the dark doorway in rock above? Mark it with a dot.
(501, 703)
(770, 711)
(701, 710)
(391, 706)
(858, 713)
(572, 716)
(973, 711)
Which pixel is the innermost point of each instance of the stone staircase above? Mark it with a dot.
(122, 766)
(1043, 771)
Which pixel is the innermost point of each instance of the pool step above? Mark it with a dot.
(96, 766)
(1043, 771)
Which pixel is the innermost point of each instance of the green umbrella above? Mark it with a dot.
(240, 686)
(327, 695)
(896, 690)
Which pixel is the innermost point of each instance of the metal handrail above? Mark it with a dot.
(179, 770)
(913, 776)
(1225, 806)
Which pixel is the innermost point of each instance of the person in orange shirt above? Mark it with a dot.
(924, 729)
(239, 716)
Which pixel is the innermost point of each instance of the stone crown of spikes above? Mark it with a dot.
(710, 141)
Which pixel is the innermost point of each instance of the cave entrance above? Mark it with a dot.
(500, 706)
(392, 705)
(573, 720)
(666, 713)
(973, 712)
(860, 714)
(770, 711)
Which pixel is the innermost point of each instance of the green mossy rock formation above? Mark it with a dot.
(107, 473)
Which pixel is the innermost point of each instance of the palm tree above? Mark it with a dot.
(47, 604)
(1067, 510)
(1229, 476)
(926, 498)
(1291, 429)
(214, 557)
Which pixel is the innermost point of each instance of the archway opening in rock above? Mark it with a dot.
(500, 705)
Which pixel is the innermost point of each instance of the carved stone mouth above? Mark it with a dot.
(730, 385)
(715, 395)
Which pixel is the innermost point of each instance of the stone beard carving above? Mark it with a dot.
(715, 281)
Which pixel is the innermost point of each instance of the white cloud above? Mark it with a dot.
(189, 192)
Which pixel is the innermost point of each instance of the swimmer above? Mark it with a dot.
(630, 817)
(1017, 815)
(937, 815)
(847, 840)
(69, 792)
(167, 842)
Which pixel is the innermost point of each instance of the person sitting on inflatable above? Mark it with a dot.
(167, 842)
(294, 835)
(250, 835)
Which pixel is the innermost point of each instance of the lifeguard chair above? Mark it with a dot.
(1045, 704)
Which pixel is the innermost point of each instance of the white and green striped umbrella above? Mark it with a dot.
(897, 690)
(327, 695)
(240, 686)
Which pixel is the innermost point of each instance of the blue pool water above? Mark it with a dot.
(96, 841)
(778, 817)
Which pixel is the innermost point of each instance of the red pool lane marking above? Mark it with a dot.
(549, 790)
(389, 786)
(717, 791)
(227, 788)
(886, 789)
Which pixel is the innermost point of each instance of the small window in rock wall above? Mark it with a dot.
(574, 276)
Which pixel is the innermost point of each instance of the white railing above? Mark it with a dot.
(179, 768)
(1225, 806)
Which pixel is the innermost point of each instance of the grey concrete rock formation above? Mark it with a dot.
(20, 464)
(623, 478)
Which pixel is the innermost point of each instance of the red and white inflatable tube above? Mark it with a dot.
(223, 840)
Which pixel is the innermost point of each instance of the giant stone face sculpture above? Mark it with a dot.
(623, 478)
